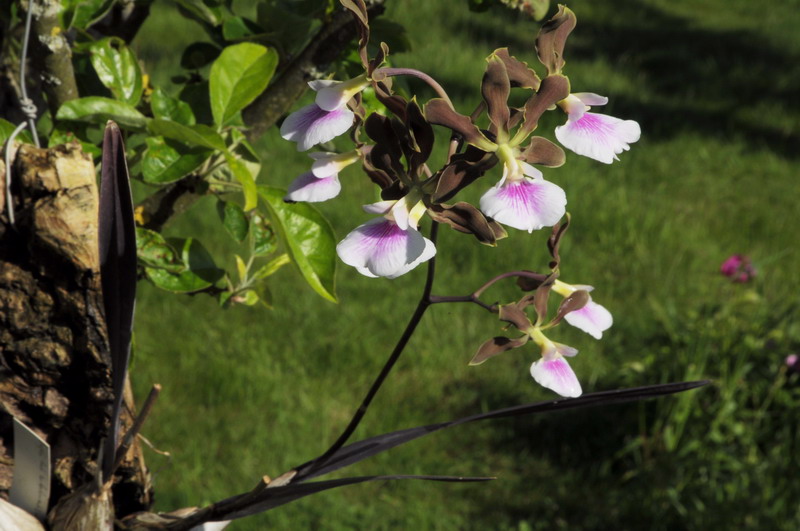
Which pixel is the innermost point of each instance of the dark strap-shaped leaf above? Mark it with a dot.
(117, 243)
(270, 498)
(363, 449)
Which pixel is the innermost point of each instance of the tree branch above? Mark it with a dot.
(156, 210)
(52, 55)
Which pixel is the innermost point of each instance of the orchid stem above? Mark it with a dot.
(421, 75)
(423, 304)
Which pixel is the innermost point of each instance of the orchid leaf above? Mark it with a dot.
(117, 250)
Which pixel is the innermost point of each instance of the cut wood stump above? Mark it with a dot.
(54, 363)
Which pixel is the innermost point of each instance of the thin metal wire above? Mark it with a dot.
(26, 104)
(9, 200)
(28, 108)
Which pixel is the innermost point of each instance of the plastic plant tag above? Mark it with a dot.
(31, 487)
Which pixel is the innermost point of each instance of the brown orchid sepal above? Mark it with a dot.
(495, 346)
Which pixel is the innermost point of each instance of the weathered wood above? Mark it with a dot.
(54, 362)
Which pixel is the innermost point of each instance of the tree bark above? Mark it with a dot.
(54, 362)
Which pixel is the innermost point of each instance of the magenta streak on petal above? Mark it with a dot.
(591, 125)
(523, 197)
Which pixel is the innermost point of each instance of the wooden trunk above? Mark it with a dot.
(54, 362)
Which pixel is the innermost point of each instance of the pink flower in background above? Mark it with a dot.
(738, 268)
(793, 363)
(597, 136)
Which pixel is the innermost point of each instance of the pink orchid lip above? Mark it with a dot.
(380, 248)
(312, 189)
(527, 204)
(555, 374)
(312, 125)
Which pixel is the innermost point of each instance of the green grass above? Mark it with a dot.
(249, 392)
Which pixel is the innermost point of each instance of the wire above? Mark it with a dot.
(26, 104)
(28, 108)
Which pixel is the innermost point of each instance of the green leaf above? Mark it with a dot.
(233, 219)
(264, 239)
(308, 237)
(201, 11)
(6, 128)
(241, 268)
(238, 76)
(154, 251)
(95, 109)
(83, 13)
(196, 135)
(168, 108)
(199, 273)
(246, 179)
(61, 136)
(271, 267)
(199, 54)
(117, 68)
(163, 163)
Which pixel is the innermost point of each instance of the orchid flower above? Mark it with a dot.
(552, 370)
(523, 199)
(389, 246)
(326, 118)
(322, 182)
(593, 318)
(597, 136)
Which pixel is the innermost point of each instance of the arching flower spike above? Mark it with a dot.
(597, 136)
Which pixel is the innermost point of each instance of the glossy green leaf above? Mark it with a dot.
(117, 68)
(83, 13)
(264, 239)
(6, 128)
(201, 11)
(241, 268)
(309, 239)
(164, 163)
(246, 179)
(195, 135)
(238, 76)
(233, 219)
(154, 251)
(271, 267)
(168, 108)
(199, 273)
(96, 109)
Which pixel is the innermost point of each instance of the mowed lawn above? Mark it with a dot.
(714, 85)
